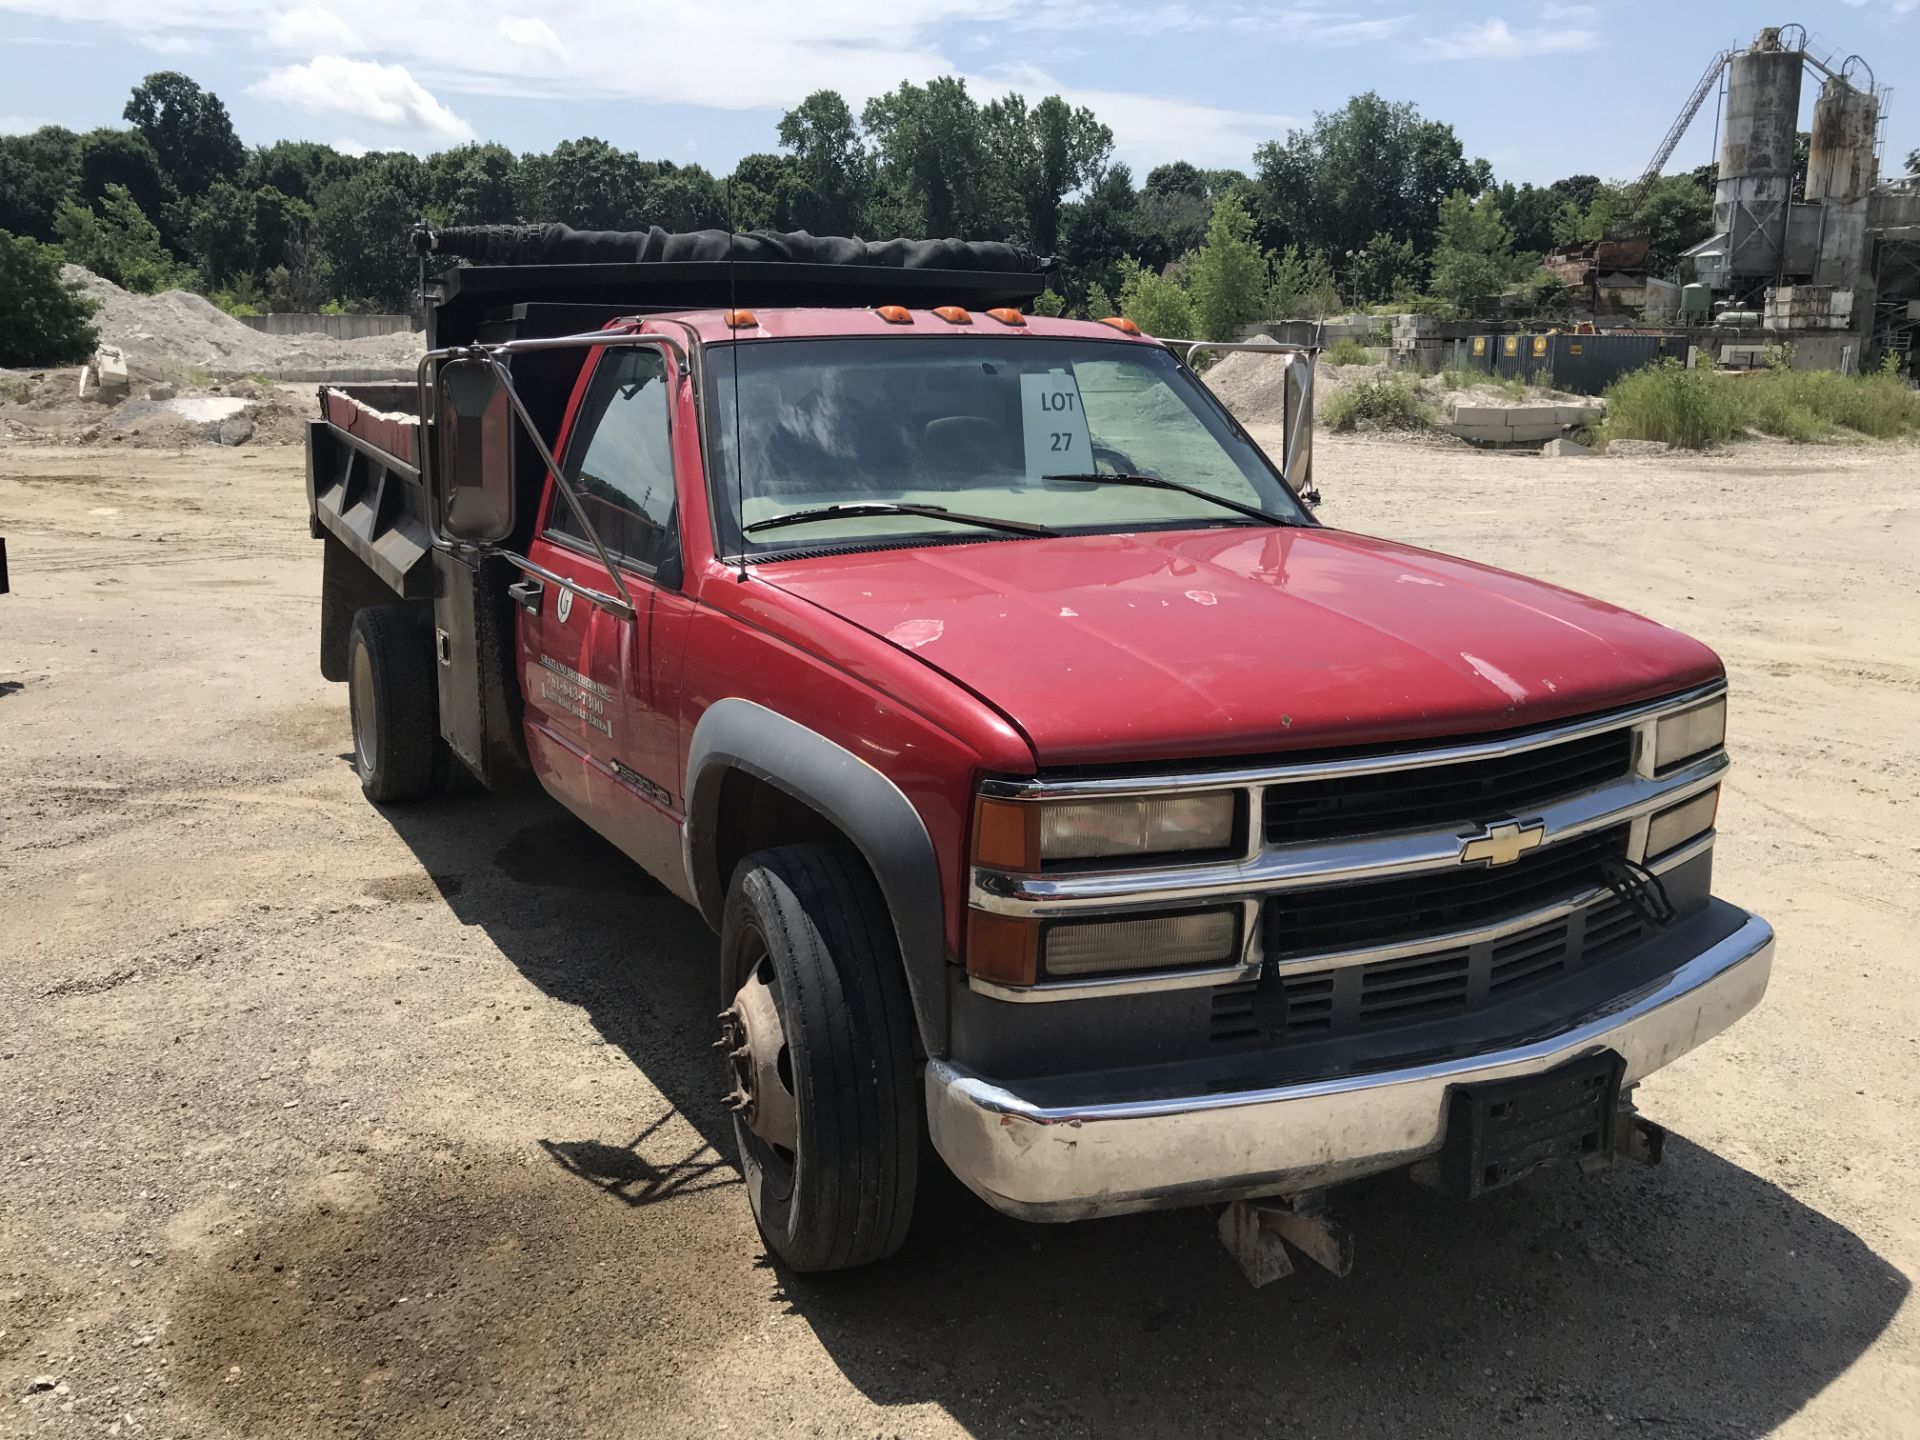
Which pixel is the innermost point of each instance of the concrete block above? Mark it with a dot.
(1476, 414)
(1566, 449)
(1525, 429)
(1580, 414)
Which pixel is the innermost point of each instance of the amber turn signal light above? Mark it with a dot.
(953, 314)
(894, 314)
(1008, 317)
(1122, 324)
(1006, 834)
(740, 319)
(1002, 949)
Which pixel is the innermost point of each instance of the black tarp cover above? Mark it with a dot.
(563, 245)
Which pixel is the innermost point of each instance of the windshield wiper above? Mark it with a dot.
(880, 507)
(1154, 482)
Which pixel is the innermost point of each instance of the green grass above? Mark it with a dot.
(1348, 352)
(1691, 409)
(1389, 403)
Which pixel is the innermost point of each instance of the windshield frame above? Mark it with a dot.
(717, 411)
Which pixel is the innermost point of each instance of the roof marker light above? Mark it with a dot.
(953, 314)
(739, 319)
(894, 314)
(1122, 324)
(1008, 316)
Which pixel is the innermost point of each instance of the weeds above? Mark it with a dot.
(1348, 352)
(1695, 408)
(1389, 403)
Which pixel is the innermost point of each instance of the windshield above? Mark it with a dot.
(977, 424)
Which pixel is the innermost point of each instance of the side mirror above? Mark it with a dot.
(1297, 407)
(473, 478)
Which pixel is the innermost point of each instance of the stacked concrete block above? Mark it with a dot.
(1516, 424)
(1809, 307)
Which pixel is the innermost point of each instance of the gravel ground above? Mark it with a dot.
(323, 1121)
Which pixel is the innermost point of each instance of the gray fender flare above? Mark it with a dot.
(864, 804)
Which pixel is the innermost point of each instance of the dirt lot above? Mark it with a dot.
(321, 1121)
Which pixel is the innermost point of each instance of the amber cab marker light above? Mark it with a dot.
(1008, 317)
(894, 314)
(953, 314)
(1003, 949)
(1006, 835)
(1122, 324)
(740, 319)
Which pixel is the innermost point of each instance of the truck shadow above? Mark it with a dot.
(1697, 1298)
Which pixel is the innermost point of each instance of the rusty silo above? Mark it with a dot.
(1756, 155)
(1842, 170)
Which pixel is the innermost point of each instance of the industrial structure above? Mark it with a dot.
(1838, 265)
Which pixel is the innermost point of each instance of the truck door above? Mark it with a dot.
(588, 671)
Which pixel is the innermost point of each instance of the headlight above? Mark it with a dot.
(1091, 829)
(1673, 827)
(1690, 733)
(1166, 942)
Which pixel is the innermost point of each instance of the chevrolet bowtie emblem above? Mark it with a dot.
(1501, 844)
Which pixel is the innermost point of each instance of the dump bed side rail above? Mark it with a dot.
(364, 489)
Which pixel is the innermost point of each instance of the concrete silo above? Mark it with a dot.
(1755, 189)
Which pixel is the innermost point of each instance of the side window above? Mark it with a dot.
(619, 459)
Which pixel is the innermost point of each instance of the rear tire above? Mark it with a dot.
(808, 923)
(396, 712)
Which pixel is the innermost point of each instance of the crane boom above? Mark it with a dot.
(1708, 79)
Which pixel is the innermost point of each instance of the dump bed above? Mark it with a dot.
(363, 482)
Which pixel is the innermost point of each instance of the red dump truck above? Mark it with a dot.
(1064, 795)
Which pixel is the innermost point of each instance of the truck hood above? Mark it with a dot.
(1166, 645)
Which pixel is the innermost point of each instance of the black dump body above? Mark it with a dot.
(366, 482)
(626, 272)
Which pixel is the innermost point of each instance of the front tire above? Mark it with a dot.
(818, 1033)
(396, 708)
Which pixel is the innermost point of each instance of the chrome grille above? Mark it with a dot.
(1314, 1004)
(1488, 788)
(1346, 917)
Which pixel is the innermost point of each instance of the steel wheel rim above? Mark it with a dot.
(777, 1164)
(365, 725)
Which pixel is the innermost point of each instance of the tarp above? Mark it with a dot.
(563, 245)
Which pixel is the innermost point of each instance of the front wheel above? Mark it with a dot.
(818, 1040)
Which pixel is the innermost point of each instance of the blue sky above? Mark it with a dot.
(1542, 90)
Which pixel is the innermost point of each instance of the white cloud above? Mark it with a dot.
(354, 148)
(1149, 129)
(385, 97)
(308, 30)
(529, 33)
(1496, 40)
(173, 42)
(20, 124)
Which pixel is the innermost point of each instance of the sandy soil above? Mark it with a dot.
(320, 1121)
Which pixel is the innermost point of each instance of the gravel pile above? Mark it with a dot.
(175, 333)
(1252, 386)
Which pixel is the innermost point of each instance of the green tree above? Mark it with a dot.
(219, 234)
(832, 167)
(189, 130)
(934, 156)
(1174, 210)
(1676, 215)
(1100, 304)
(1529, 210)
(1041, 156)
(298, 169)
(123, 158)
(763, 191)
(36, 172)
(586, 183)
(1157, 304)
(1099, 230)
(1302, 287)
(1473, 258)
(120, 242)
(472, 185)
(1380, 269)
(363, 224)
(1227, 276)
(681, 197)
(1049, 304)
(43, 319)
(1368, 168)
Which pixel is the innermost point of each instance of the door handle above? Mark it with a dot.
(527, 594)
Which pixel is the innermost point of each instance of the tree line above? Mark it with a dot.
(1371, 203)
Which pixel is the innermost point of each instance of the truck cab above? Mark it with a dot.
(1066, 797)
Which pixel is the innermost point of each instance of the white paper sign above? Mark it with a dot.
(1055, 425)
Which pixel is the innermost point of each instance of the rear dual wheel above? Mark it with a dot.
(817, 1034)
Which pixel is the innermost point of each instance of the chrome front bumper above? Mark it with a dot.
(1071, 1162)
